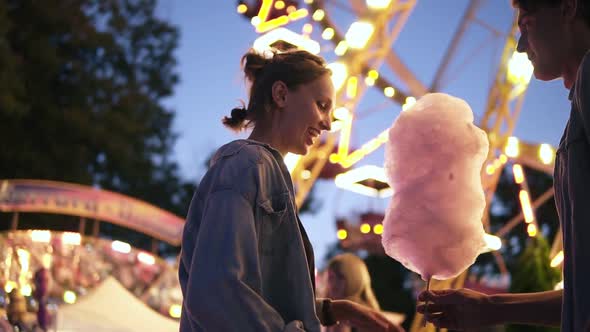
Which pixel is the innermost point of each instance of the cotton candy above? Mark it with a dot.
(433, 158)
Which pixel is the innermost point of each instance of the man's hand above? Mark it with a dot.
(362, 317)
(457, 309)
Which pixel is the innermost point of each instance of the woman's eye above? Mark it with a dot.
(323, 106)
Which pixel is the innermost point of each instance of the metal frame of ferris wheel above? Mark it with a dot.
(501, 112)
(502, 109)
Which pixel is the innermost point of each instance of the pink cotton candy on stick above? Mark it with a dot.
(433, 158)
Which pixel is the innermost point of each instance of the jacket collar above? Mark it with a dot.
(235, 146)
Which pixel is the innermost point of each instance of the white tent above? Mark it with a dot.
(111, 307)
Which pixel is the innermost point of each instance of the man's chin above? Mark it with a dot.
(543, 74)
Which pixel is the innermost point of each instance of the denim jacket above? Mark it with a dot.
(244, 265)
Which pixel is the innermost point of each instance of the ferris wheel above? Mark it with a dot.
(358, 38)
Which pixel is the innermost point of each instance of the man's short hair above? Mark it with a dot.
(533, 5)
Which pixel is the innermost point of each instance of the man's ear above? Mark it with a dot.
(279, 93)
(569, 9)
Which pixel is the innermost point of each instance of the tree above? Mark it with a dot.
(81, 90)
(533, 274)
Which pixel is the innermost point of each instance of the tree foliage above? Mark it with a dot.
(82, 84)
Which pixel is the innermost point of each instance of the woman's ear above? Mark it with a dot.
(279, 93)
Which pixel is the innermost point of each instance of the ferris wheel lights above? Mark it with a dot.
(520, 69)
(357, 179)
(527, 210)
(26, 290)
(255, 21)
(373, 74)
(389, 92)
(512, 149)
(492, 242)
(24, 258)
(558, 259)
(546, 153)
(279, 4)
(309, 2)
(336, 125)
(318, 15)
(490, 169)
(503, 159)
(383, 136)
(69, 297)
(339, 74)
(341, 113)
(334, 158)
(46, 259)
(558, 286)
(378, 4)
(410, 101)
(358, 34)
(71, 238)
(175, 311)
(532, 230)
(365, 228)
(146, 258)
(351, 87)
(497, 163)
(122, 247)
(297, 14)
(265, 41)
(9, 286)
(328, 33)
(341, 48)
(242, 8)
(518, 173)
(378, 229)
(306, 174)
(291, 161)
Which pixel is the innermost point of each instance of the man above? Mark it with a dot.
(555, 34)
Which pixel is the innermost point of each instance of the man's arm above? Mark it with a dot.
(464, 308)
(363, 317)
(542, 308)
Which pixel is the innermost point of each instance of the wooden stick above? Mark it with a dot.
(426, 305)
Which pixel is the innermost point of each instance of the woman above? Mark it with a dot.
(348, 278)
(246, 261)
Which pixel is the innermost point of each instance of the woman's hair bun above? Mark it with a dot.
(237, 118)
(254, 63)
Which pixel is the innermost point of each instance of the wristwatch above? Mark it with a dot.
(327, 313)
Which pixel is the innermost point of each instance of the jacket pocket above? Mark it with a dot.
(272, 215)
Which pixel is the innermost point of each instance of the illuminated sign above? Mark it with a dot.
(267, 40)
(72, 199)
(367, 180)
